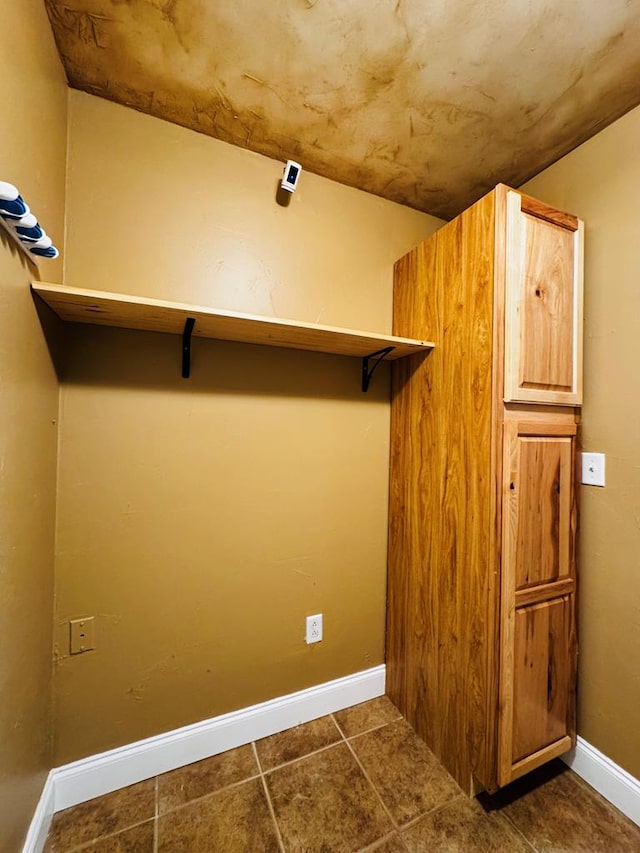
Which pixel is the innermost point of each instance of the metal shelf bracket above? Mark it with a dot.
(189, 323)
(379, 356)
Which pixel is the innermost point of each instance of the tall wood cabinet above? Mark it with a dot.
(481, 627)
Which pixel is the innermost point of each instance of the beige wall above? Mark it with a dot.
(200, 521)
(32, 155)
(599, 182)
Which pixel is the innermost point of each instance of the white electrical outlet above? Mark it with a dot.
(593, 469)
(314, 628)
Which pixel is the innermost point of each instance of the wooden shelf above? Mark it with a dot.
(77, 305)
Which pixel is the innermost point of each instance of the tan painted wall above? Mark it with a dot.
(598, 182)
(32, 156)
(201, 520)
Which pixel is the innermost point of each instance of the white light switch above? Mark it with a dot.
(593, 469)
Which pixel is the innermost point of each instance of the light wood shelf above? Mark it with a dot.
(78, 305)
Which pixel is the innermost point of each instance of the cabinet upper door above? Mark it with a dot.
(543, 304)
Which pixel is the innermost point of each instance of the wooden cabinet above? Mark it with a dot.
(481, 638)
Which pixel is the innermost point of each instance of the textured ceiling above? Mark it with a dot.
(426, 102)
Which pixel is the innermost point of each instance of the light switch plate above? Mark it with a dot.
(81, 635)
(593, 469)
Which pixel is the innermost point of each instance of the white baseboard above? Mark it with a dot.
(609, 779)
(100, 774)
(41, 820)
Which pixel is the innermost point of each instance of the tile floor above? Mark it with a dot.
(359, 779)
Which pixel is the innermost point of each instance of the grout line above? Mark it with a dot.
(414, 820)
(302, 757)
(337, 725)
(366, 775)
(87, 845)
(375, 790)
(403, 841)
(375, 845)
(268, 796)
(517, 829)
(210, 793)
(372, 729)
(257, 758)
(365, 731)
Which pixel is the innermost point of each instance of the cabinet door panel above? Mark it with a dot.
(537, 633)
(544, 486)
(547, 326)
(542, 662)
(543, 350)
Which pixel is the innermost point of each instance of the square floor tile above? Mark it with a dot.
(324, 803)
(559, 813)
(367, 715)
(464, 827)
(102, 816)
(406, 774)
(234, 820)
(204, 777)
(297, 742)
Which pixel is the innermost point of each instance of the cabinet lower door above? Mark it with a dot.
(538, 629)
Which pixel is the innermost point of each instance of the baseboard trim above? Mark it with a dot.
(37, 834)
(608, 778)
(100, 774)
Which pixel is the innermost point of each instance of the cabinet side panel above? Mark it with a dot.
(411, 622)
(467, 538)
(440, 634)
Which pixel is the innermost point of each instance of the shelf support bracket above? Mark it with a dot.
(189, 323)
(379, 356)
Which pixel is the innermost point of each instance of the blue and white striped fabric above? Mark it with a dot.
(16, 214)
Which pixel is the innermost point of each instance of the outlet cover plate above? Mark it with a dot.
(593, 469)
(314, 628)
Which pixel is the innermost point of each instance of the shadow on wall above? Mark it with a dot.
(52, 326)
(99, 356)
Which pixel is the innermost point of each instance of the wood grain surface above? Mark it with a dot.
(441, 645)
(542, 669)
(543, 489)
(538, 661)
(546, 306)
(155, 315)
(543, 354)
(544, 211)
(481, 591)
